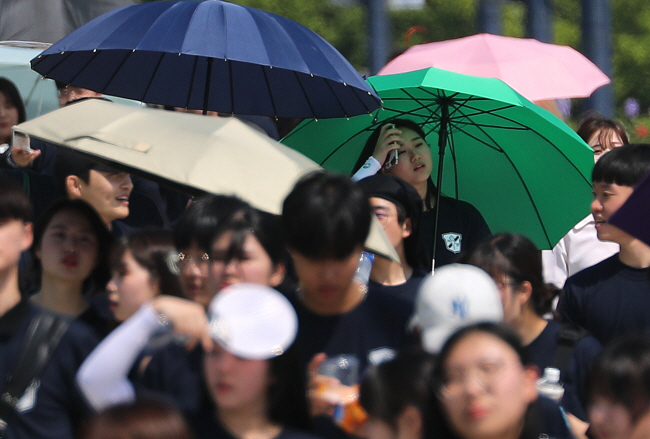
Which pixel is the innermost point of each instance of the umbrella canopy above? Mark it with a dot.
(210, 55)
(192, 152)
(539, 71)
(38, 93)
(523, 168)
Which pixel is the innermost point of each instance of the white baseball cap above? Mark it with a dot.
(455, 296)
(252, 321)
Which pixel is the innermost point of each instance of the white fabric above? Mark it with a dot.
(103, 376)
(252, 321)
(456, 295)
(578, 249)
(369, 168)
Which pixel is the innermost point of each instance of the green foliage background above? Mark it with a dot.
(346, 29)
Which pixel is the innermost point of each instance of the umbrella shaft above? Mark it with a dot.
(443, 134)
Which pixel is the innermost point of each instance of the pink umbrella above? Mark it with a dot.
(537, 70)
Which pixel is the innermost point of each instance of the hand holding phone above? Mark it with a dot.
(392, 158)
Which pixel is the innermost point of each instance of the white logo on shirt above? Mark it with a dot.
(452, 241)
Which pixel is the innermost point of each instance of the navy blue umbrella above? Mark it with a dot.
(210, 55)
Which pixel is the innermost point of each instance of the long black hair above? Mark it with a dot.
(392, 386)
(151, 248)
(517, 257)
(101, 274)
(12, 95)
(287, 402)
(369, 148)
(199, 222)
(622, 374)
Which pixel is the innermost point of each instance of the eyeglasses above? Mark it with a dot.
(382, 216)
(185, 259)
(483, 373)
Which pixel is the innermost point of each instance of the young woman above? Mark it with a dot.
(12, 110)
(69, 254)
(514, 263)
(143, 419)
(397, 397)
(141, 271)
(619, 389)
(486, 389)
(414, 165)
(252, 375)
(602, 134)
(193, 237)
(246, 248)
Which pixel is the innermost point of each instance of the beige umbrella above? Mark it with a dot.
(211, 154)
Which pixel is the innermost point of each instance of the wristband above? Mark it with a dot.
(11, 162)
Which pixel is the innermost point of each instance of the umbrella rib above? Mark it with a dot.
(95, 54)
(206, 91)
(452, 149)
(335, 150)
(189, 90)
(268, 86)
(338, 101)
(302, 88)
(153, 75)
(232, 88)
(530, 198)
(521, 127)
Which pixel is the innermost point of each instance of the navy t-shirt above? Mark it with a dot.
(206, 426)
(608, 299)
(407, 291)
(52, 407)
(373, 331)
(553, 423)
(176, 373)
(542, 351)
(460, 226)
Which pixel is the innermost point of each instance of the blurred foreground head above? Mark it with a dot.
(144, 419)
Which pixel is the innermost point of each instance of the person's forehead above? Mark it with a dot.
(605, 186)
(378, 202)
(409, 133)
(481, 346)
(11, 222)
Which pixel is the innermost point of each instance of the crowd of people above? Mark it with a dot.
(128, 310)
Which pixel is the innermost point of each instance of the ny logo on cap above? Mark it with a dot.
(459, 307)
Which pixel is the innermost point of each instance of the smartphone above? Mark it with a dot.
(21, 140)
(392, 159)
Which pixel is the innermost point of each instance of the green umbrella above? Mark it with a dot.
(524, 169)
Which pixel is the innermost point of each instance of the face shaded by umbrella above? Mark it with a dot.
(523, 168)
(195, 153)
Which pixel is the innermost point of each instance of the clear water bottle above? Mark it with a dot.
(364, 267)
(549, 385)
